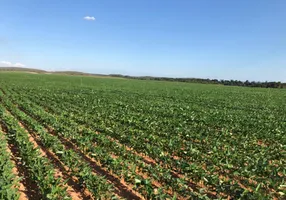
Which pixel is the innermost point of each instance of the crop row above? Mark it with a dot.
(207, 176)
(77, 168)
(276, 180)
(120, 166)
(9, 182)
(159, 140)
(39, 168)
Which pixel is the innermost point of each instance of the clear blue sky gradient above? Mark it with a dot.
(223, 39)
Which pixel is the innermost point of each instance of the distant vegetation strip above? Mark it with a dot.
(247, 83)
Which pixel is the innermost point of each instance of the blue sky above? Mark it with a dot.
(238, 39)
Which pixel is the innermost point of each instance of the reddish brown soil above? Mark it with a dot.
(27, 187)
(145, 175)
(122, 189)
(58, 173)
(148, 160)
(21, 188)
(193, 186)
(60, 170)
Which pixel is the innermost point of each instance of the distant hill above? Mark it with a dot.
(40, 71)
(77, 73)
(22, 69)
(247, 83)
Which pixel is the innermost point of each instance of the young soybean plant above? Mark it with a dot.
(8, 181)
(39, 168)
(95, 184)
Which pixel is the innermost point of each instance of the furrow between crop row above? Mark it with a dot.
(120, 190)
(251, 182)
(175, 174)
(58, 172)
(11, 184)
(164, 140)
(192, 185)
(28, 162)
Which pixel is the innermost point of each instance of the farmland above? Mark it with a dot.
(76, 137)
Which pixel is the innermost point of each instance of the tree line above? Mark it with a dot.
(246, 83)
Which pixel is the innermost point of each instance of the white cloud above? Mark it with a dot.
(89, 18)
(19, 65)
(7, 63)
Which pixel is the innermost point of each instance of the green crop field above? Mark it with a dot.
(73, 137)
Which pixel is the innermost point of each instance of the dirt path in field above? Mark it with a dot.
(27, 187)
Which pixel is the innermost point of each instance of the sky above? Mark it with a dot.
(222, 39)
